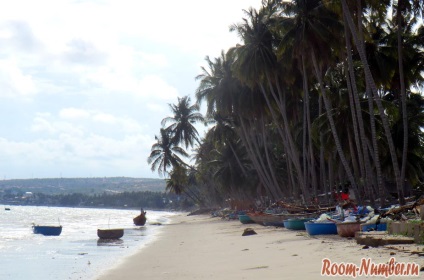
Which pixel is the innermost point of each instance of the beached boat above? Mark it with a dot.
(320, 228)
(47, 230)
(374, 227)
(267, 219)
(277, 220)
(245, 219)
(115, 233)
(348, 229)
(140, 220)
(293, 208)
(296, 224)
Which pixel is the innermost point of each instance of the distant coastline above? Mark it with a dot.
(105, 192)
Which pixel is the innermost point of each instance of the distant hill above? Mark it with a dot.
(82, 185)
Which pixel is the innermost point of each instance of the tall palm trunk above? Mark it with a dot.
(268, 159)
(285, 131)
(402, 92)
(333, 126)
(255, 155)
(308, 129)
(322, 157)
(294, 155)
(365, 153)
(370, 79)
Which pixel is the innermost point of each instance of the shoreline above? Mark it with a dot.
(204, 247)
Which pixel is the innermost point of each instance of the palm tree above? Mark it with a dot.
(165, 154)
(230, 99)
(181, 127)
(256, 65)
(373, 89)
(416, 7)
(310, 27)
(178, 183)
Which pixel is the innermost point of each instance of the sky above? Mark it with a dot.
(84, 84)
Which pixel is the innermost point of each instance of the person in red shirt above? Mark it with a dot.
(345, 194)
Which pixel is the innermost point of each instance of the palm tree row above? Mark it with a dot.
(318, 94)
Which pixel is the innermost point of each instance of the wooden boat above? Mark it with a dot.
(245, 219)
(293, 208)
(115, 233)
(320, 228)
(47, 230)
(267, 219)
(296, 224)
(140, 220)
(348, 229)
(374, 227)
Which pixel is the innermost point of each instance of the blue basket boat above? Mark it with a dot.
(47, 230)
(374, 227)
(296, 224)
(320, 228)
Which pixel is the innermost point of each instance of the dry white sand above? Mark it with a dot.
(202, 247)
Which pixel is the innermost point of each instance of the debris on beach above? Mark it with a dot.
(248, 231)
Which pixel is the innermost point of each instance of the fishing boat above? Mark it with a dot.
(374, 227)
(245, 219)
(267, 219)
(293, 208)
(320, 228)
(47, 230)
(277, 220)
(348, 229)
(140, 220)
(296, 224)
(115, 233)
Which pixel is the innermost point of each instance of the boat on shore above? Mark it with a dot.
(320, 228)
(140, 220)
(374, 227)
(245, 219)
(47, 230)
(267, 219)
(348, 229)
(296, 224)
(115, 233)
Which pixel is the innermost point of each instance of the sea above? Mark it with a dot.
(77, 253)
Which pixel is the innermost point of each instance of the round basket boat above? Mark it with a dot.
(296, 224)
(374, 227)
(320, 228)
(348, 229)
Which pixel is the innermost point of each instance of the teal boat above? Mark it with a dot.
(245, 219)
(296, 224)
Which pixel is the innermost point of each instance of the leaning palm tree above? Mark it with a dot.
(256, 66)
(416, 7)
(182, 128)
(165, 154)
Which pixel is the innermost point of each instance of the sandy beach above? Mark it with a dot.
(204, 247)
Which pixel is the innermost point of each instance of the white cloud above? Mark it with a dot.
(13, 82)
(105, 118)
(102, 73)
(73, 114)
